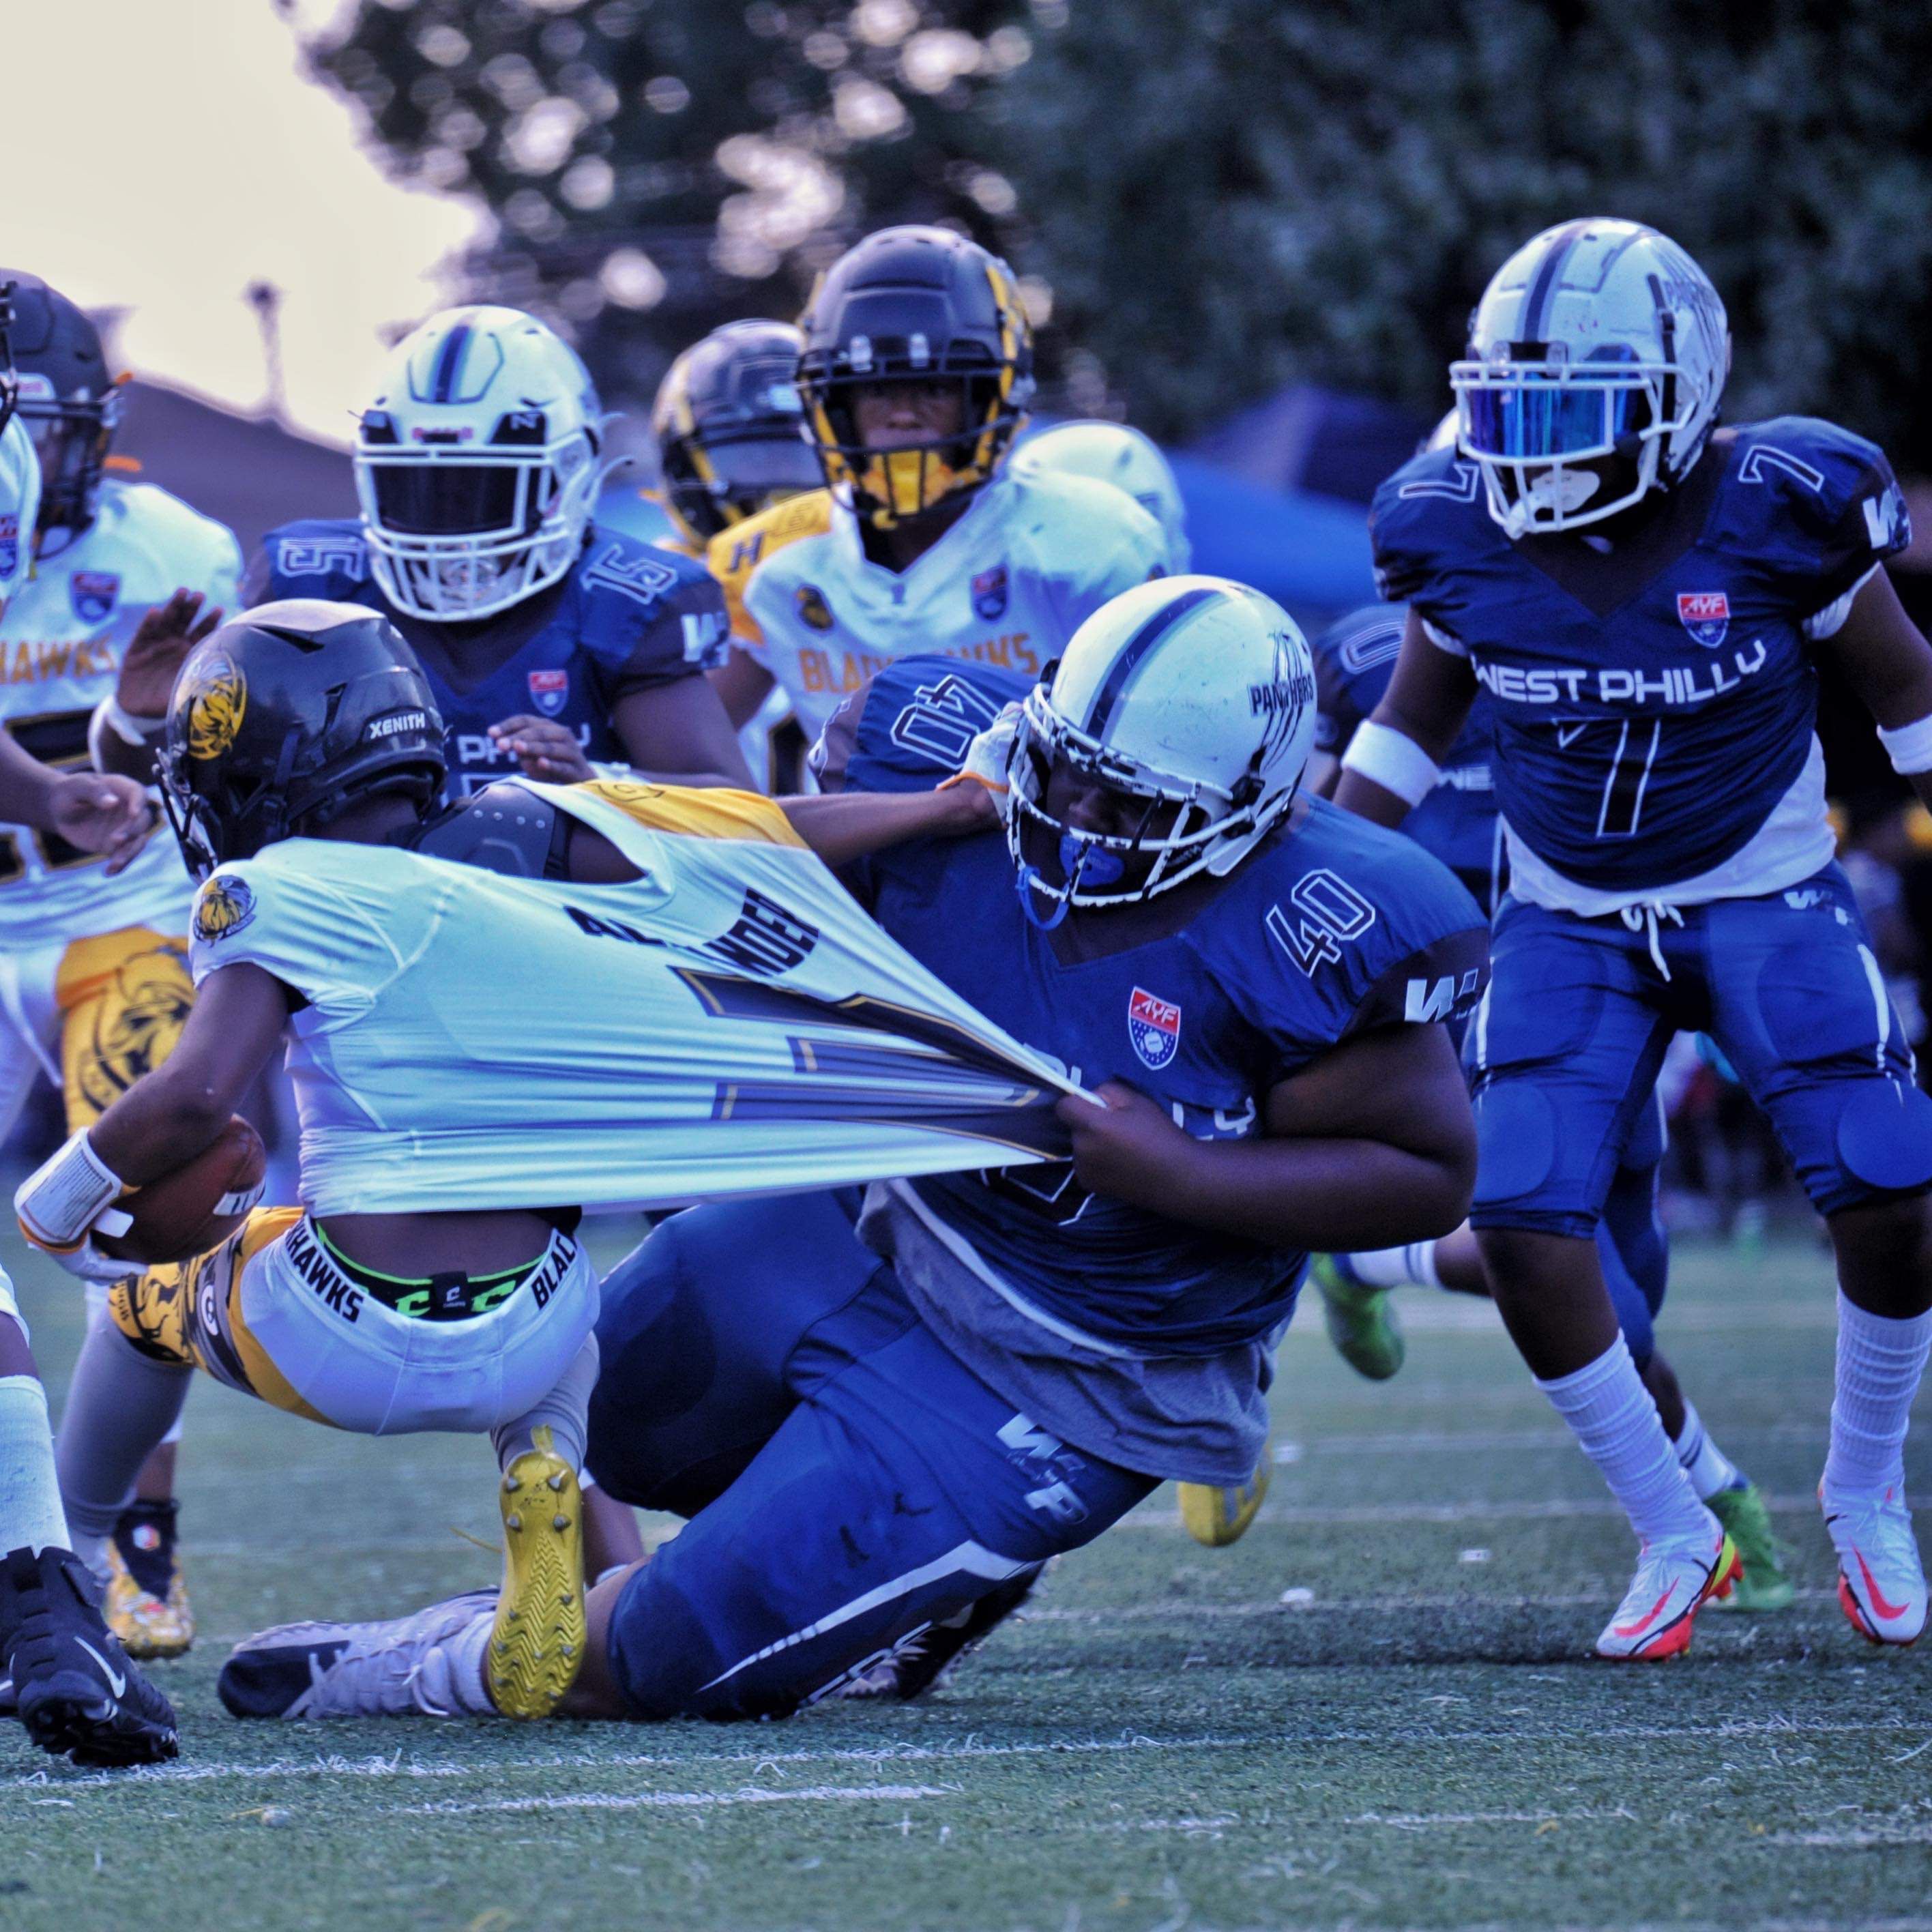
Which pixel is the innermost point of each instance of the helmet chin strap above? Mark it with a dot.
(1083, 862)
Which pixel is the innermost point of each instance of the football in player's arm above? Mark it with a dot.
(1641, 596)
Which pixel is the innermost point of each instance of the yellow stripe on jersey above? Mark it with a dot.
(735, 553)
(698, 811)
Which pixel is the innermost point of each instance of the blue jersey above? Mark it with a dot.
(1354, 658)
(1650, 706)
(1332, 928)
(628, 617)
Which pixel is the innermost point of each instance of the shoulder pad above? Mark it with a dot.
(1806, 460)
(911, 725)
(502, 829)
(331, 546)
(1434, 503)
(1837, 509)
(627, 567)
(734, 553)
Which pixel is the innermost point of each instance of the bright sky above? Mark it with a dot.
(169, 152)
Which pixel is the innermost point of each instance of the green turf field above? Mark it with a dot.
(1377, 1711)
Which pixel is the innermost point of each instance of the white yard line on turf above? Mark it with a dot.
(1181, 1611)
(652, 1800)
(1290, 1514)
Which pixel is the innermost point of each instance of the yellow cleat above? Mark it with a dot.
(1220, 1516)
(536, 1643)
(147, 1606)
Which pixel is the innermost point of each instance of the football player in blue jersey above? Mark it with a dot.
(873, 1444)
(1354, 658)
(552, 644)
(1643, 596)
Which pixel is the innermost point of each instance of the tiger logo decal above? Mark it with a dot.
(225, 905)
(217, 697)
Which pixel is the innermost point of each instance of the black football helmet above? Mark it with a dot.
(285, 716)
(70, 403)
(915, 305)
(731, 428)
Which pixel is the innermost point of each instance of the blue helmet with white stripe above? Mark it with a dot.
(477, 465)
(1597, 358)
(1169, 740)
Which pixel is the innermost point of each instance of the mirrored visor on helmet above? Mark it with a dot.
(447, 499)
(1531, 416)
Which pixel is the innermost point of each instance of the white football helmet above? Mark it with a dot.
(1599, 339)
(1193, 695)
(19, 506)
(477, 464)
(1110, 452)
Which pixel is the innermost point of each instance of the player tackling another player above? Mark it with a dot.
(1642, 595)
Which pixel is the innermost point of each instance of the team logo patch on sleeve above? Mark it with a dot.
(989, 593)
(1153, 1025)
(1705, 614)
(224, 906)
(92, 593)
(550, 691)
(813, 610)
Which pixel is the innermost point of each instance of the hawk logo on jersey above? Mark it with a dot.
(1705, 614)
(217, 698)
(226, 904)
(1153, 1025)
(92, 593)
(10, 545)
(550, 691)
(990, 593)
(813, 610)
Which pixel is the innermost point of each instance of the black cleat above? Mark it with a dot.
(79, 1694)
(919, 1663)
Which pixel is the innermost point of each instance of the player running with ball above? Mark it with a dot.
(1642, 596)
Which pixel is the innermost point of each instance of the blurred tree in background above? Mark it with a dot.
(1210, 200)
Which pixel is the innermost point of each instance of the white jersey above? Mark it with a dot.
(730, 1023)
(62, 638)
(1008, 584)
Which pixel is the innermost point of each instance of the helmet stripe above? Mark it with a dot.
(1543, 290)
(449, 363)
(1136, 648)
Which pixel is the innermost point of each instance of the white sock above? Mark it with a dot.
(31, 1516)
(1397, 1267)
(565, 1410)
(1710, 1471)
(1615, 1420)
(466, 1651)
(1880, 1361)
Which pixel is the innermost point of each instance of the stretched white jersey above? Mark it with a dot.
(62, 638)
(1008, 584)
(731, 1023)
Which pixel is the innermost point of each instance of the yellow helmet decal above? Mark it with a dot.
(217, 696)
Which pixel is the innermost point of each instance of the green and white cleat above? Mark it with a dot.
(1764, 1585)
(1360, 1320)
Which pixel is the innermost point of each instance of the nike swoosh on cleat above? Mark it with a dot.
(1649, 1617)
(1891, 1613)
(115, 1682)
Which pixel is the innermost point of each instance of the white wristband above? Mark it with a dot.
(1393, 760)
(67, 1194)
(1910, 747)
(125, 726)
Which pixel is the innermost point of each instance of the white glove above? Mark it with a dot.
(990, 755)
(68, 1194)
(90, 1265)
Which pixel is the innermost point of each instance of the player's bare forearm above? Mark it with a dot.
(680, 731)
(1370, 1145)
(26, 787)
(1428, 701)
(741, 683)
(170, 1115)
(841, 826)
(1887, 661)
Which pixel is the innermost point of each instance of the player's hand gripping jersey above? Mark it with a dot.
(1332, 928)
(61, 639)
(1653, 727)
(728, 1023)
(1006, 585)
(1354, 658)
(630, 617)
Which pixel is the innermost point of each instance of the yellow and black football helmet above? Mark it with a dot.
(915, 305)
(731, 428)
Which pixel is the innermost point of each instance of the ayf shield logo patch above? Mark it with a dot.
(989, 593)
(1154, 1026)
(550, 691)
(1705, 614)
(92, 593)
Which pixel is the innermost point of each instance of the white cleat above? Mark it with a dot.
(399, 1668)
(1881, 1581)
(1673, 1583)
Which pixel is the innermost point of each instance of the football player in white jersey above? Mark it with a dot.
(1111, 452)
(94, 985)
(77, 1692)
(916, 374)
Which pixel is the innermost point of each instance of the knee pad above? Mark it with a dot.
(1884, 1136)
(1515, 1128)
